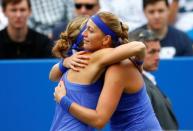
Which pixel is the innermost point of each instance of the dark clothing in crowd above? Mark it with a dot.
(174, 38)
(35, 45)
(161, 105)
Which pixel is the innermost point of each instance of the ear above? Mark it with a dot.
(107, 41)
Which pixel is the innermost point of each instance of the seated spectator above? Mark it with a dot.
(183, 19)
(46, 14)
(17, 40)
(160, 102)
(173, 41)
(130, 11)
(3, 20)
(82, 7)
(185, 13)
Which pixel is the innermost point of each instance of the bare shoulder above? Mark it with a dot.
(121, 65)
(126, 73)
(121, 68)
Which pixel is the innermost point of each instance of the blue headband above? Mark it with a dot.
(104, 28)
(77, 42)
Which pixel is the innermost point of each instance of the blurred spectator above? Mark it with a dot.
(185, 14)
(173, 41)
(160, 102)
(17, 40)
(82, 7)
(174, 7)
(183, 20)
(129, 11)
(47, 13)
(3, 20)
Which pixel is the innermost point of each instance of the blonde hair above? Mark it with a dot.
(113, 22)
(68, 36)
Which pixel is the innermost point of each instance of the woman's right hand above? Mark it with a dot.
(60, 91)
(77, 61)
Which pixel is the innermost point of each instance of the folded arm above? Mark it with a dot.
(107, 103)
(110, 56)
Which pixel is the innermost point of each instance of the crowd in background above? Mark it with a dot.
(29, 29)
(50, 18)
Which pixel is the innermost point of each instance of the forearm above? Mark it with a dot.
(122, 52)
(88, 116)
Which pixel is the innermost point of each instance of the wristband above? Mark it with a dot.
(65, 103)
(61, 67)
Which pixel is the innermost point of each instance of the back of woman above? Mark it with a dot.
(84, 94)
(134, 111)
(103, 32)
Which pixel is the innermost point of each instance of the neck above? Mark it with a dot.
(159, 32)
(17, 35)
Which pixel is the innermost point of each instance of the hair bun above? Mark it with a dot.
(64, 36)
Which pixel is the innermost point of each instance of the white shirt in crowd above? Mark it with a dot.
(3, 19)
(130, 11)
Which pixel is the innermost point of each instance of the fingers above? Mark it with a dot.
(83, 57)
(80, 55)
(77, 61)
(74, 68)
(62, 83)
(81, 52)
(81, 61)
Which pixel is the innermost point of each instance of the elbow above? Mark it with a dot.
(142, 47)
(52, 78)
(141, 50)
(99, 124)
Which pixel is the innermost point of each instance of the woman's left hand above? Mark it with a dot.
(60, 91)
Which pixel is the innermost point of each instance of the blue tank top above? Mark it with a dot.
(134, 113)
(85, 95)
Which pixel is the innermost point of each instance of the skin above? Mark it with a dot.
(84, 11)
(119, 78)
(74, 62)
(17, 15)
(157, 16)
(78, 60)
(103, 57)
(151, 61)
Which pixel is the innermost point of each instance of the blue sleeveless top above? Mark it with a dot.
(134, 113)
(85, 95)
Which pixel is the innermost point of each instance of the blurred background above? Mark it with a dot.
(28, 30)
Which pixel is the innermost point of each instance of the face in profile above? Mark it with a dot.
(157, 15)
(93, 37)
(151, 61)
(17, 14)
(86, 7)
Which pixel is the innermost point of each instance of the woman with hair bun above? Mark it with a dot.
(106, 43)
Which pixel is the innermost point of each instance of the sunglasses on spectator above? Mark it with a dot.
(87, 6)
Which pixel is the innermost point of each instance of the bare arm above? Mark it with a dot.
(55, 73)
(74, 61)
(113, 86)
(107, 103)
(113, 55)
